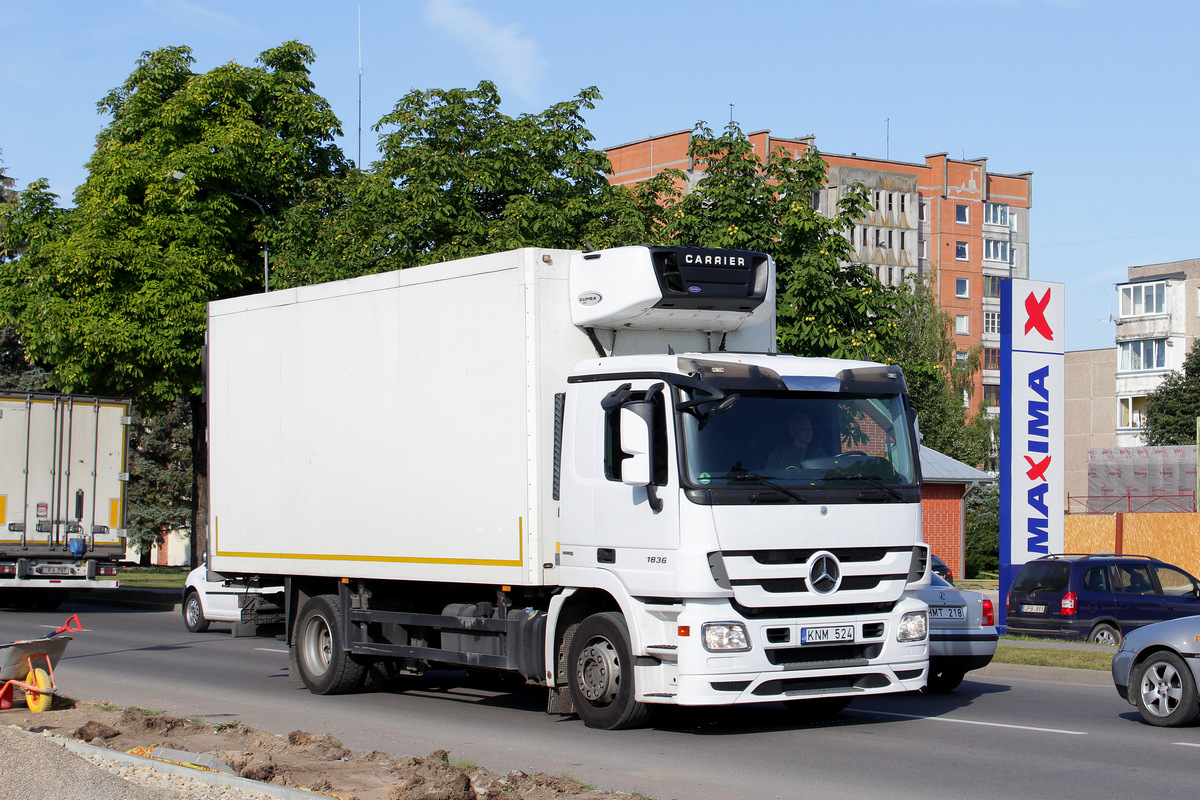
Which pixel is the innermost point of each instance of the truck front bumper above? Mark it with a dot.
(780, 664)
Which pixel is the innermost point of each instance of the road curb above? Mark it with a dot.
(167, 768)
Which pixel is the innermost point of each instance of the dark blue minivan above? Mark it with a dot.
(1097, 598)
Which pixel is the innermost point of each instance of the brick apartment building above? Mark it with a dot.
(950, 219)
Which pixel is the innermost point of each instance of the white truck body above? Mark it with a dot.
(427, 448)
(62, 492)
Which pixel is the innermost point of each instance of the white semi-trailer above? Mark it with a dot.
(62, 494)
(571, 467)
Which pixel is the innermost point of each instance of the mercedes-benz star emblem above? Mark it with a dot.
(824, 573)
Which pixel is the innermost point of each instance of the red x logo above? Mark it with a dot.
(1037, 470)
(1036, 309)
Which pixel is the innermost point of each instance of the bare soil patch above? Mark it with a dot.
(312, 761)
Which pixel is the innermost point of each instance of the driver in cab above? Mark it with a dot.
(797, 447)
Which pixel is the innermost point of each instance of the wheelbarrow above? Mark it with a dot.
(29, 664)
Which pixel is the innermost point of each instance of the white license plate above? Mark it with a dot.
(54, 570)
(831, 633)
(1038, 609)
(947, 612)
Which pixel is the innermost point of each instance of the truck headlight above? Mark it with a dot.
(914, 626)
(722, 637)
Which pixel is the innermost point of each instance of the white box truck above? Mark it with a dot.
(62, 494)
(572, 466)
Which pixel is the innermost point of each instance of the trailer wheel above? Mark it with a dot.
(601, 677)
(325, 666)
(38, 701)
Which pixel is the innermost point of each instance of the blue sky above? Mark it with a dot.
(1096, 97)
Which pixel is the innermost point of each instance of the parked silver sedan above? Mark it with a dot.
(962, 633)
(1157, 670)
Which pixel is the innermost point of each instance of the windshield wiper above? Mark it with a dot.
(740, 475)
(874, 480)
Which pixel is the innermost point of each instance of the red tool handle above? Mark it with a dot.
(72, 625)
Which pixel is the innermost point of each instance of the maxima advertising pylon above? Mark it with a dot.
(1031, 426)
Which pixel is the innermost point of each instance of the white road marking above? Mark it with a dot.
(269, 650)
(973, 722)
(1187, 744)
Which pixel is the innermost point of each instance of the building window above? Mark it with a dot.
(923, 248)
(996, 250)
(991, 394)
(891, 201)
(995, 214)
(991, 358)
(1144, 354)
(903, 243)
(903, 203)
(962, 325)
(961, 252)
(991, 323)
(962, 287)
(816, 200)
(962, 214)
(1143, 299)
(921, 210)
(961, 356)
(880, 241)
(1131, 412)
(991, 285)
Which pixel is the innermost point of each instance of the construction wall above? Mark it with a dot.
(1140, 479)
(1172, 537)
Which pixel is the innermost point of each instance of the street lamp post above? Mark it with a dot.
(178, 176)
(261, 210)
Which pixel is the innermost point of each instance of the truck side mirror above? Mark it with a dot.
(637, 418)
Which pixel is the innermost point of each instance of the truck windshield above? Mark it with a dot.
(800, 439)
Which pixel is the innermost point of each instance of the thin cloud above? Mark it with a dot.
(503, 50)
(195, 16)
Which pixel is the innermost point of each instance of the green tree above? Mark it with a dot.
(1172, 408)
(937, 379)
(16, 373)
(111, 295)
(983, 530)
(827, 304)
(457, 178)
(160, 484)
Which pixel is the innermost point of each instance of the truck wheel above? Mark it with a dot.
(325, 666)
(193, 614)
(601, 678)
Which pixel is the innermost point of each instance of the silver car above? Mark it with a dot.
(1157, 670)
(962, 633)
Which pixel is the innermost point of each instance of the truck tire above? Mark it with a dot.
(601, 674)
(325, 666)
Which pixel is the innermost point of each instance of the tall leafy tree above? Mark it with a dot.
(457, 177)
(160, 484)
(182, 188)
(827, 304)
(1172, 408)
(938, 381)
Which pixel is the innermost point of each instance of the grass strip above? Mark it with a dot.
(1054, 657)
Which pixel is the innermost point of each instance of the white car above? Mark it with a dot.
(209, 597)
(962, 633)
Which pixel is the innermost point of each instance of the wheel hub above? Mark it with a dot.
(598, 672)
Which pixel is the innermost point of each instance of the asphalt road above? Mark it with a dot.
(1007, 733)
